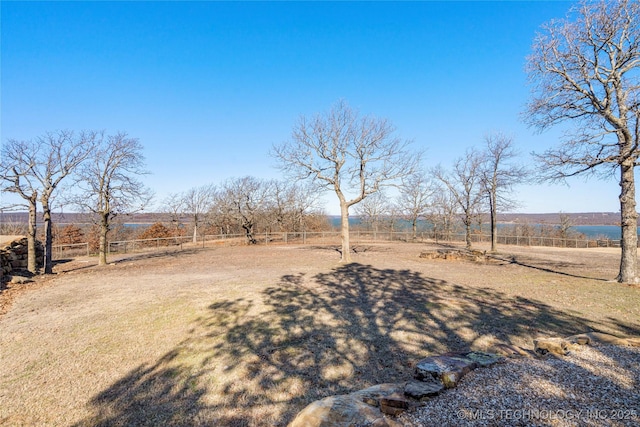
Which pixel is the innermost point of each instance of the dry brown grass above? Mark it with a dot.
(247, 336)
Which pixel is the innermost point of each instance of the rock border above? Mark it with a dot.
(433, 374)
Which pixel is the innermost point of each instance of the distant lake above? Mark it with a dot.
(591, 231)
(610, 231)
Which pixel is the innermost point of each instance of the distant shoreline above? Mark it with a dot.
(576, 219)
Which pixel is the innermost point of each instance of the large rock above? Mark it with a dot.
(595, 338)
(482, 359)
(351, 410)
(421, 390)
(449, 369)
(555, 346)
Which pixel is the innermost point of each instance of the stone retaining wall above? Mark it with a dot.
(13, 257)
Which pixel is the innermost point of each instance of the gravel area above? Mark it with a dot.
(592, 386)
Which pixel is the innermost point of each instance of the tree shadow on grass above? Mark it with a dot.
(258, 362)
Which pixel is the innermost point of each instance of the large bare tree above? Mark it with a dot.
(60, 153)
(350, 155)
(500, 173)
(464, 182)
(16, 166)
(246, 200)
(110, 184)
(585, 71)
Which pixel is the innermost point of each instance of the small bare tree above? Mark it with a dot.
(585, 70)
(290, 204)
(350, 155)
(196, 202)
(499, 175)
(565, 225)
(442, 213)
(374, 210)
(109, 184)
(415, 197)
(464, 182)
(173, 205)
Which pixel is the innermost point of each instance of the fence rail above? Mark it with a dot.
(324, 237)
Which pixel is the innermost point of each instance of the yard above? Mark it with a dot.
(248, 336)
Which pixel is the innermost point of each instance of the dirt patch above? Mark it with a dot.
(248, 336)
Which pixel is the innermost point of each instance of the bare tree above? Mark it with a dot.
(109, 186)
(173, 204)
(415, 197)
(499, 175)
(290, 204)
(442, 213)
(564, 228)
(16, 166)
(374, 210)
(351, 155)
(584, 70)
(196, 202)
(464, 183)
(59, 154)
(44, 162)
(246, 201)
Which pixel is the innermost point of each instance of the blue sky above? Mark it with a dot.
(209, 87)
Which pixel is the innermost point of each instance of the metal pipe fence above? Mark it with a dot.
(323, 237)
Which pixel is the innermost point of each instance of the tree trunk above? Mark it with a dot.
(467, 227)
(414, 226)
(629, 225)
(195, 232)
(494, 223)
(48, 237)
(32, 264)
(344, 232)
(248, 229)
(104, 229)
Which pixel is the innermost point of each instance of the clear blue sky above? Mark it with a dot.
(209, 87)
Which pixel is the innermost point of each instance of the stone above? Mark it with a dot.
(344, 410)
(391, 410)
(509, 350)
(373, 395)
(582, 339)
(20, 279)
(421, 390)
(556, 346)
(448, 369)
(396, 400)
(483, 359)
(596, 338)
(363, 407)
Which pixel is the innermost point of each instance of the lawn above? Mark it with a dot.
(248, 336)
